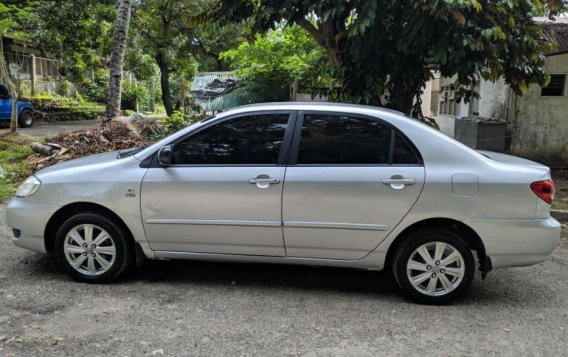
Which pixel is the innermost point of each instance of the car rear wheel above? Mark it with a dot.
(433, 266)
(26, 118)
(93, 248)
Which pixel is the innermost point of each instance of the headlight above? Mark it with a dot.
(28, 187)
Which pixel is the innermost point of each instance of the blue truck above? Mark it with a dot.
(25, 109)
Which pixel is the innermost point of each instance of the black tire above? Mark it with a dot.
(406, 251)
(120, 239)
(26, 118)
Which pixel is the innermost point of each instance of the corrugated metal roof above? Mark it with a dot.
(237, 97)
(555, 31)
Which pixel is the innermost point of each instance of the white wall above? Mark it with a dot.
(426, 98)
(493, 99)
(447, 124)
(537, 122)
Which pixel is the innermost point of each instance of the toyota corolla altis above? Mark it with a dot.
(296, 183)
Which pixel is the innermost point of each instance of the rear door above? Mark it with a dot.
(350, 181)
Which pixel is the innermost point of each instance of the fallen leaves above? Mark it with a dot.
(116, 135)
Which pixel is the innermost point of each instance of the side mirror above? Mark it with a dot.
(165, 156)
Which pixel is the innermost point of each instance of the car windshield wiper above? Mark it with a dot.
(130, 152)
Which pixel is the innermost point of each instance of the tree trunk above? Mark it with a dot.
(165, 82)
(117, 60)
(401, 98)
(5, 76)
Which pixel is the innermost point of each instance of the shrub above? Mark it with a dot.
(133, 95)
(96, 90)
(178, 121)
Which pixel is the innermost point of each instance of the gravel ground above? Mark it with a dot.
(189, 308)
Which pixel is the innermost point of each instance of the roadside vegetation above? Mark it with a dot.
(14, 164)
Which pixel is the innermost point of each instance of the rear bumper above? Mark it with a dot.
(30, 219)
(519, 242)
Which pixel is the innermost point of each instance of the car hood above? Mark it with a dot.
(89, 161)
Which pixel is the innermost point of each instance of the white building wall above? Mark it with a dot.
(493, 99)
(426, 98)
(537, 122)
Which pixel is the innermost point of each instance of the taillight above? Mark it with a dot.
(544, 190)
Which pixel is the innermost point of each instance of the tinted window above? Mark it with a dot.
(328, 139)
(253, 139)
(402, 152)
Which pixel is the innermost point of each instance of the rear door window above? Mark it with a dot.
(330, 139)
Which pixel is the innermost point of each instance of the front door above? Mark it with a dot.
(223, 191)
(350, 181)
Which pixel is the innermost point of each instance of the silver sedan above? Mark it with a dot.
(296, 183)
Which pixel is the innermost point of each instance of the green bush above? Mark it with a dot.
(95, 90)
(133, 95)
(178, 121)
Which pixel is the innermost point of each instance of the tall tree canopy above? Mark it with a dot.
(383, 51)
(281, 57)
(176, 39)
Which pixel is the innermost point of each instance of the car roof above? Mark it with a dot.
(326, 106)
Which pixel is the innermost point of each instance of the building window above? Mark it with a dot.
(556, 86)
(448, 104)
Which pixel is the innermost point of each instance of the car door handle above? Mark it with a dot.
(264, 181)
(398, 182)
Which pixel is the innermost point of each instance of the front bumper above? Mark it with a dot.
(517, 242)
(30, 219)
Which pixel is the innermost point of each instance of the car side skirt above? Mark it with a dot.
(373, 261)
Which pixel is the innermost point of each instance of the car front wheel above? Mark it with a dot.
(433, 266)
(26, 119)
(93, 248)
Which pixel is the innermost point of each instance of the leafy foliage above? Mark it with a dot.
(80, 29)
(282, 55)
(177, 121)
(133, 94)
(383, 52)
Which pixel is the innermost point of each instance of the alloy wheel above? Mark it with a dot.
(89, 249)
(435, 268)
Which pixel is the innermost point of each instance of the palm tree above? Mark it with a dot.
(117, 59)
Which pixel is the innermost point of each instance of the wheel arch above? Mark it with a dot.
(69, 210)
(25, 109)
(470, 237)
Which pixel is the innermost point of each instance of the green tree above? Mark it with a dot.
(77, 32)
(281, 56)
(382, 52)
(180, 42)
(167, 35)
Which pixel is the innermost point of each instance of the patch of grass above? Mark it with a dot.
(560, 178)
(14, 151)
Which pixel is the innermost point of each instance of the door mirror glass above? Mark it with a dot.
(165, 156)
